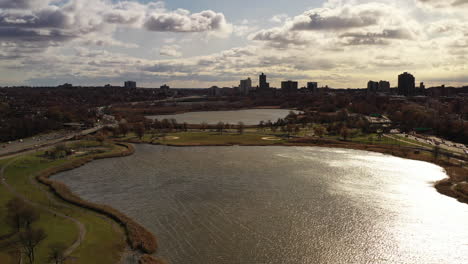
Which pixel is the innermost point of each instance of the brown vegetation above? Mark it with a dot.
(138, 237)
(148, 259)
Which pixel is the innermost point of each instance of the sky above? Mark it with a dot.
(196, 44)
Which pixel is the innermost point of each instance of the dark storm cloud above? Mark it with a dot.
(28, 35)
(46, 18)
(21, 4)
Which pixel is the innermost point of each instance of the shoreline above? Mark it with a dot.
(143, 242)
(139, 239)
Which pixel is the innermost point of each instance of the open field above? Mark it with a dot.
(102, 234)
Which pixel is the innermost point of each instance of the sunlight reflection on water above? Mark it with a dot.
(281, 205)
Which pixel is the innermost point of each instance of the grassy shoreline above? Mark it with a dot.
(99, 219)
(141, 240)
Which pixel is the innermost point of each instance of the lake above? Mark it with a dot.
(278, 205)
(248, 117)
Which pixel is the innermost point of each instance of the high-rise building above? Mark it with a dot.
(312, 86)
(384, 86)
(406, 84)
(130, 85)
(263, 82)
(289, 87)
(372, 86)
(245, 86)
(214, 91)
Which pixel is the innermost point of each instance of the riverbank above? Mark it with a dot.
(34, 166)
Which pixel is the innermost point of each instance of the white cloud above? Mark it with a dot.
(170, 51)
(44, 23)
(344, 43)
(280, 18)
(182, 21)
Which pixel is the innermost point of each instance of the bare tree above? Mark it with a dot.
(240, 128)
(436, 152)
(123, 129)
(20, 215)
(297, 130)
(28, 240)
(139, 130)
(203, 126)
(319, 131)
(57, 253)
(344, 132)
(220, 127)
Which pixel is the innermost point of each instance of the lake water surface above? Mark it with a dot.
(281, 205)
(248, 117)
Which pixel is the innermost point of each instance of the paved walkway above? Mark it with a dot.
(80, 225)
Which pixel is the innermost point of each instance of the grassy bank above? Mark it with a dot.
(103, 236)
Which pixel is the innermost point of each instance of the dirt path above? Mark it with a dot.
(81, 226)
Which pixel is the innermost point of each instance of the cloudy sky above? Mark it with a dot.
(187, 43)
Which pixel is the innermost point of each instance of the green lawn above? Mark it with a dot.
(251, 137)
(102, 237)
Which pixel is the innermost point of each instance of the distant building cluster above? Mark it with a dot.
(287, 87)
(406, 86)
(378, 87)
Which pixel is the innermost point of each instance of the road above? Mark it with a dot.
(43, 140)
(444, 144)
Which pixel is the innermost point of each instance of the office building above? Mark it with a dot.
(289, 87)
(312, 86)
(406, 84)
(214, 91)
(263, 82)
(372, 86)
(245, 86)
(384, 86)
(130, 85)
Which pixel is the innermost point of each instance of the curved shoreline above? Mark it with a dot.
(138, 237)
(143, 241)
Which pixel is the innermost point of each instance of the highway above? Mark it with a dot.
(43, 140)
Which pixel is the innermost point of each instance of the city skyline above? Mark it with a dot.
(340, 43)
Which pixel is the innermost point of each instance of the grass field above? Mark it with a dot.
(102, 234)
(210, 138)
